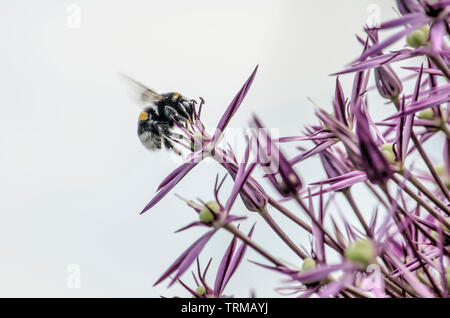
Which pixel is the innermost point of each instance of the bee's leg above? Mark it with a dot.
(183, 109)
(189, 106)
(170, 146)
(177, 136)
(170, 112)
(155, 135)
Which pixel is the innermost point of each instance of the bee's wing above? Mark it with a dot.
(143, 95)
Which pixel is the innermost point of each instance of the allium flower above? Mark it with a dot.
(399, 246)
(373, 161)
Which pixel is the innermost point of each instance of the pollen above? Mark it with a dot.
(143, 116)
(175, 96)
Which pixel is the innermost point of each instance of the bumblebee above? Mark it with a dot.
(156, 121)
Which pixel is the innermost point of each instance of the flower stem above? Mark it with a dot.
(440, 64)
(276, 228)
(411, 178)
(430, 166)
(348, 195)
(233, 230)
(419, 200)
(316, 223)
(299, 221)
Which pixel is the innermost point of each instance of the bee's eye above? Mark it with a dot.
(143, 116)
(175, 96)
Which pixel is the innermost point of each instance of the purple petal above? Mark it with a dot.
(321, 273)
(421, 105)
(317, 149)
(193, 224)
(237, 259)
(409, 121)
(379, 60)
(181, 174)
(179, 261)
(406, 19)
(192, 254)
(226, 260)
(437, 35)
(374, 162)
(279, 170)
(235, 103)
(334, 288)
(421, 289)
(377, 48)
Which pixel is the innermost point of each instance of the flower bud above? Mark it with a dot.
(201, 290)
(388, 84)
(308, 264)
(426, 114)
(362, 253)
(208, 211)
(388, 152)
(419, 37)
(373, 162)
(440, 169)
(252, 194)
(423, 278)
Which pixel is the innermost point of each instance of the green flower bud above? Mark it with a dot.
(427, 114)
(201, 290)
(362, 253)
(419, 37)
(388, 152)
(440, 169)
(422, 277)
(435, 235)
(209, 209)
(308, 264)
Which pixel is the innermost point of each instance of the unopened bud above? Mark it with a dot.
(388, 152)
(419, 37)
(422, 276)
(426, 114)
(388, 83)
(209, 210)
(362, 253)
(440, 169)
(201, 290)
(308, 264)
